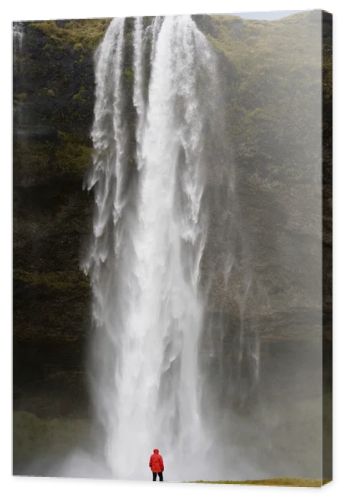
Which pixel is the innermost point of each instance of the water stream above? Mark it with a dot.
(149, 234)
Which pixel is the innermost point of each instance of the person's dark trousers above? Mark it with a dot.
(160, 474)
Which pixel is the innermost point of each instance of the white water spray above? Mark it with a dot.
(148, 238)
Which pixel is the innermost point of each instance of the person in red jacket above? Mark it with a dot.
(156, 464)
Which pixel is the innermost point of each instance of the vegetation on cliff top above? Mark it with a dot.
(81, 34)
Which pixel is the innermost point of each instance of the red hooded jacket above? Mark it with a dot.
(156, 461)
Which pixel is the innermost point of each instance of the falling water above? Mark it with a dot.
(149, 234)
(18, 36)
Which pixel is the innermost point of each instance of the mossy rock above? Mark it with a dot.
(82, 35)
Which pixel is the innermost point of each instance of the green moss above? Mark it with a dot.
(42, 159)
(73, 157)
(129, 75)
(81, 95)
(82, 35)
(275, 72)
(249, 44)
(78, 46)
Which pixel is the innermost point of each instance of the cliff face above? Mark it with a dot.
(271, 77)
(53, 112)
(272, 81)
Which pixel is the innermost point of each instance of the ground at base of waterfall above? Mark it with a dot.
(281, 481)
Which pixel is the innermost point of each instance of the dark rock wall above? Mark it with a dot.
(53, 85)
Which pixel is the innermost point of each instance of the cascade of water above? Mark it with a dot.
(106, 179)
(139, 99)
(18, 36)
(146, 248)
(18, 30)
(148, 238)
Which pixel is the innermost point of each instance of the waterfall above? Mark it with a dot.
(149, 233)
(18, 36)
